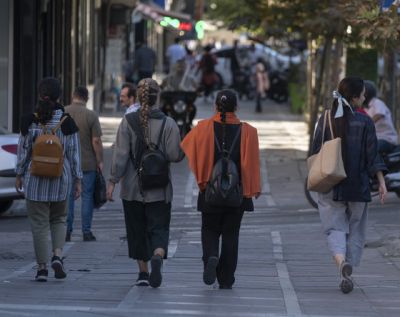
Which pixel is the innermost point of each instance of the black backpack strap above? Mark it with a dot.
(134, 122)
(217, 143)
(161, 132)
(234, 141)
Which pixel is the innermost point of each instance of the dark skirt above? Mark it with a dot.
(147, 228)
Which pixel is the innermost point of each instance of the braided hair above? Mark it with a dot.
(147, 91)
(49, 90)
(226, 101)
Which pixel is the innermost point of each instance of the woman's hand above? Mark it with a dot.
(382, 192)
(110, 191)
(382, 187)
(77, 189)
(18, 184)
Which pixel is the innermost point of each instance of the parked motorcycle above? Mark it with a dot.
(392, 178)
(243, 83)
(180, 106)
(278, 90)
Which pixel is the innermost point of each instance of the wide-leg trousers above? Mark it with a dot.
(227, 226)
(345, 226)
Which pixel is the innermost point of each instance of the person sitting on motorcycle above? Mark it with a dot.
(179, 79)
(382, 117)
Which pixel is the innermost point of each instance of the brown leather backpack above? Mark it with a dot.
(48, 153)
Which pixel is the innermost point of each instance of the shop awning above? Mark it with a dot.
(157, 14)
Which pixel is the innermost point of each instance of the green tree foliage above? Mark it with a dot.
(380, 29)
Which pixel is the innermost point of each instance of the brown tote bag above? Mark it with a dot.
(325, 169)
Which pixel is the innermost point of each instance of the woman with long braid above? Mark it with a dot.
(147, 212)
(202, 148)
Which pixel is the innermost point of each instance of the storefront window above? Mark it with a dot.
(4, 62)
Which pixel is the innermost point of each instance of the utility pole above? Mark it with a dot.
(199, 10)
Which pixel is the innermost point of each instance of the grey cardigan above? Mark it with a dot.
(122, 169)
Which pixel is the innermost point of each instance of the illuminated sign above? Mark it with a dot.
(184, 26)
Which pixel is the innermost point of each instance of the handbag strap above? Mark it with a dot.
(327, 114)
(330, 124)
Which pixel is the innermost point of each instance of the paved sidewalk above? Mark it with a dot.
(284, 266)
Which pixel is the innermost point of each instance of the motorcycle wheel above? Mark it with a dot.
(311, 196)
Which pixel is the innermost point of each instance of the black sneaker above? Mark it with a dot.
(58, 266)
(222, 286)
(345, 269)
(89, 237)
(41, 275)
(346, 285)
(143, 279)
(155, 275)
(210, 271)
(68, 237)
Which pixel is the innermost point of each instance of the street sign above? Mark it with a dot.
(386, 4)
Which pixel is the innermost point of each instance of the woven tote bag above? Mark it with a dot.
(326, 169)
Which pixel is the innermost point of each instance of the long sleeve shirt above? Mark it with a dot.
(123, 170)
(361, 160)
(49, 189)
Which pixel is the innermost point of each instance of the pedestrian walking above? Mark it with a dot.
(145, 61)
(382, 117)
(262, 84)
(344, 209)
(147, 209)
(127, 98)
(91, 160)
(46, 198)
(174, 53)
(204, 147)
(209, 78)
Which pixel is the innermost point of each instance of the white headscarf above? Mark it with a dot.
(341, 100)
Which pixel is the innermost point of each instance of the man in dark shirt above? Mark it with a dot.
(145, 61)
(91, 157)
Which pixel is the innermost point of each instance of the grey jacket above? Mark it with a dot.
(122, 169)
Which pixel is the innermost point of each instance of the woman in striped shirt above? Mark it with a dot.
(46, 198)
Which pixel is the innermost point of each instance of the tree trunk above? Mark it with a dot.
(310, 83)
(389, 80)
(318, 89)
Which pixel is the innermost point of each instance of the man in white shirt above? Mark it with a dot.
(127, 98)
(174, 53)
(380, 114)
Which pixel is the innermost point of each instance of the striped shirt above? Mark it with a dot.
(42, 188)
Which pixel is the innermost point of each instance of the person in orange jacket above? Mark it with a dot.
(201, 147)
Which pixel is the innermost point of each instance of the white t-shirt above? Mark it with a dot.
(384, 126)
(174, 53)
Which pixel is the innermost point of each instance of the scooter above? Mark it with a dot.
(180, 106)
(392, 178)
(278, 89)
(242, 83)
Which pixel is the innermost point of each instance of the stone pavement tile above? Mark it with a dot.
(315, 278)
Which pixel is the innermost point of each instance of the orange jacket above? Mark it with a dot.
(198, 146)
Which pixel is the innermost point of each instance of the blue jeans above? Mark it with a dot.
(88, 182)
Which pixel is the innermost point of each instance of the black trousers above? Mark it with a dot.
(147, 228)
(227, 226)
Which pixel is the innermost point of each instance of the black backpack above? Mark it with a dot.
(224, 189)
(149, 161)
